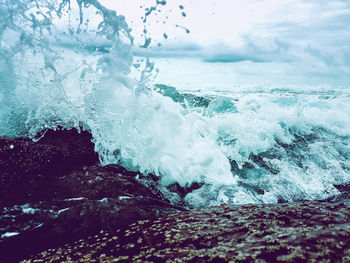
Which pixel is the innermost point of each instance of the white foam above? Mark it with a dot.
(9, 234)
(132, 125)
(28, 210)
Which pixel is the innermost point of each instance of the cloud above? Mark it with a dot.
(321, 31)
(309, 39)
(303, 31)
(173, 49)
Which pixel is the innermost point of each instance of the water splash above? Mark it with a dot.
(39, 70)
(69, 63)
(58, 79)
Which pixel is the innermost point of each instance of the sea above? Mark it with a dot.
(248, 130)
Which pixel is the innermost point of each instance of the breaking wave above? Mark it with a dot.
(70, 64)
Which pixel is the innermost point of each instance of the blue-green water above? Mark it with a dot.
(250, 138)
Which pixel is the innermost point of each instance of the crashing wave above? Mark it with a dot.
(70, 64)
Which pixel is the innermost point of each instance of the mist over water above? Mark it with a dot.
(261, 137)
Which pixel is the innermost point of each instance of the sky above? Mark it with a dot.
(207, 20)
(312, 35)
(234, 21)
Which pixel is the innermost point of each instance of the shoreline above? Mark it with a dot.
(54, 193)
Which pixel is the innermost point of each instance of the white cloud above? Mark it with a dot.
(309, 35)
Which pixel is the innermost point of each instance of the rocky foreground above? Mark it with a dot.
(303, 232)
(58, 204)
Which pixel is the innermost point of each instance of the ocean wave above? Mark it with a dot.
(244, 147)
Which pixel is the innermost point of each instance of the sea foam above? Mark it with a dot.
(70, 64)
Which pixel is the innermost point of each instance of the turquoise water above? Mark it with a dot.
(261, 132)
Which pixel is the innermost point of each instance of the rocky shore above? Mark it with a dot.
(58, 204)
(302, 232)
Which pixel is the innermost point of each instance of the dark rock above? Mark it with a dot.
(96, 182)
(81, 203)
(51, 193)
(109, 214)
(344, 195)
(291, 232)
(26, 165)
(80, 219)
(183, 191)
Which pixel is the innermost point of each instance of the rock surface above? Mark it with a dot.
(53, 192)
(56, 198)
(294, 232)
(25, 165)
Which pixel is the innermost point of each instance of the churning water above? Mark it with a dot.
(70, 64)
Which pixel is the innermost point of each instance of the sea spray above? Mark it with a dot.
(70, 64)
(59, 81)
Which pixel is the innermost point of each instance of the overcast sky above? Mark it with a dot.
(229, 19)
(207, 20)
(258, 30)
(306, 35)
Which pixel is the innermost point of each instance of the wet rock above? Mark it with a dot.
(182, 191)
(291, 232)
(97, 182)
(344, 195)
(52, 192)
(81, 203)
(26, 165)
(79, 219)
